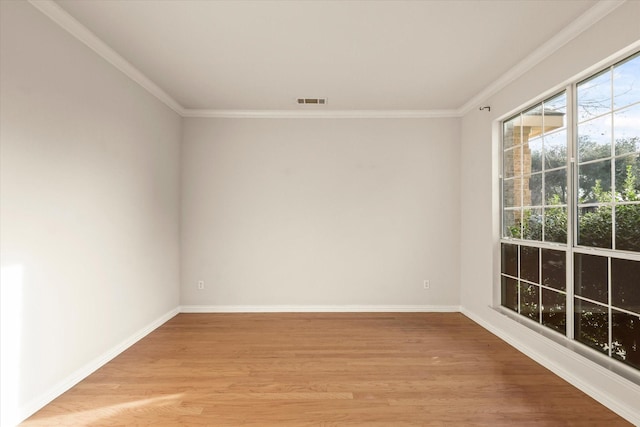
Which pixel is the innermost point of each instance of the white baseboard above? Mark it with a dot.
(318, 308)
(28, 409)
(599, 383)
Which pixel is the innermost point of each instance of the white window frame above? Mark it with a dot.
(570, 247)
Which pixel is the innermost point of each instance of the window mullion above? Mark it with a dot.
(572, 203)
(609, 312)
(613, 170)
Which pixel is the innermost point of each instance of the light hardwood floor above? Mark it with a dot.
(329, 369)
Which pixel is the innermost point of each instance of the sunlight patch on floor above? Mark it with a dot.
(169, 405)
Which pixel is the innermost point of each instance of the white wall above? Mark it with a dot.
(320, 212)
(89, 212)
(479, 205)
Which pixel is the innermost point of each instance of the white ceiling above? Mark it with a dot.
(361, 55)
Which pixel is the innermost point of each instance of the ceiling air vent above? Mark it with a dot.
(311, 101)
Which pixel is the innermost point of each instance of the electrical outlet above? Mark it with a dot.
(426, 284)
(200, 284)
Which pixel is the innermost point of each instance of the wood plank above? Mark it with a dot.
(329, 369)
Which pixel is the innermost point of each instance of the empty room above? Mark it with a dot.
(286, 213)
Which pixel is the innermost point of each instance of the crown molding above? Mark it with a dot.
(51, 9)
(321, 114)
(570, 32)
(61, 17)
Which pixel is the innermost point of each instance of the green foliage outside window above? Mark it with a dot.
(594, 222)
(555, 222)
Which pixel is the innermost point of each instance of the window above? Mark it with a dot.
(535, 172)
(570, 184)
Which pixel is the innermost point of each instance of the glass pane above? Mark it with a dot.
(594, 226)
(511, 224)
(594, 181)
(555, 187)
(591, 277)
(594, 139)
(511, 165)
(554, 269)
(532, 123)
(532, 190)
(594, 96)
(529, 264)
(529, 301)
(625, 284)
(555, 225)
(512, 192)
(532, 224)
(555, 112)
(555, 150)
(625, 345)
(509, 293)
(626, 130)
(509, 259)
(554, 310)
(511, 133)
(591, 322)
(532, 156)
(628, 227)
(626, 82)
(628, 178)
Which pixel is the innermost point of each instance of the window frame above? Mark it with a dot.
(571, 247)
